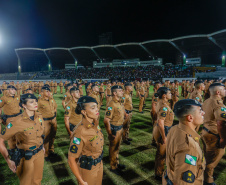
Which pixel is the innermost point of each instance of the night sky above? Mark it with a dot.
(70, 23)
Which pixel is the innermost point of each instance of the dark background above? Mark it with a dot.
(70, 23)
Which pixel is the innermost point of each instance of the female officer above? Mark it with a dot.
(86, 147)
(165, 118)
(28, 128)
(71, 119)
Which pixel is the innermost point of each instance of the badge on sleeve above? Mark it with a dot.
(223, 115)
(73, 149)
(163, 114)
(65, 96)
(165, 109)
(66, 112)
(76, 141)
(189, 159)
(188, 176)
(109, 108)
(0, 101)
(68, 108)
(108, 113)
(9, 125)
(223, 109)
(197, 98)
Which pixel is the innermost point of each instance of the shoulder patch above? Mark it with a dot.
(223, 109)
(189, 159)
(188, 176)
(223, 115)
(108, 113)
(76, 141)
(73, 149)
(68, 108)
(109, 108)
(66, 112)
(9, 125)
(197, 98)
(0, 101)
(165, 108)
(65, 95)
(163, 114)
(3, 131)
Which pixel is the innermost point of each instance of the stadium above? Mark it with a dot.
(181, 62)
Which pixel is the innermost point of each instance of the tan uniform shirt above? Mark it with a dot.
(164, 112)
(10, 104)
(18, 87)
(55, 84)
(184, 158)
(214, 110)
(195, 95)
(115, 112)
(101, 89)
(67, 97)
(4, 87)
(47, 107)
(96, 96)
(61, 84)
(87, 140)
(128, 101)
(74, 118)
(142, 90)
(108, 89)
(28, 132)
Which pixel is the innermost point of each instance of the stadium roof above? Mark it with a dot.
(209, 47)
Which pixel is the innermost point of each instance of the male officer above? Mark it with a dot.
(197, 93)
(141, 93)
(61, 87)
(48, 107)
(128, 104)
(101, 93)
(108, 93)
(67, 96)
(18, 88)
(55, 87)
(113, 121)
(184, 159)
(95, 94)
(213, 133)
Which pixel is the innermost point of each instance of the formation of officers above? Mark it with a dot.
(30, 128)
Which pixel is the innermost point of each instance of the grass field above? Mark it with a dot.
(139, 157)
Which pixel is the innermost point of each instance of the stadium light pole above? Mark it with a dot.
(19, 63)
(184, 60)
(223, 59)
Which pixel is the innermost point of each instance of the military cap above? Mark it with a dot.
(175, 81)
(181, 103)
(23, 97)
(116, 87)
(216, 84)
(86, 99)
(29, 89)
(157, 82)
(46, 88)
(74, 89)
(128, 84)
(198, 82)
(11, 86)
(47, 85)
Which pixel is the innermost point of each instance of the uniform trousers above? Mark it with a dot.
(141, 104)
(30, 172)
(126, 126)
(61, 90)
(212, 153)
(160, 153)
(93, 176)
(55, 89)
(114, 150)
(50, 134)
(101, 98)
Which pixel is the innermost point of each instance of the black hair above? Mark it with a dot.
(79, 108)
(161, 91)
(23, 100)
(180, 112)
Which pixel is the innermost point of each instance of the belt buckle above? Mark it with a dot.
(95, 162)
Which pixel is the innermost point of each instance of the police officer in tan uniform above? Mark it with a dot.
(18, 88)
(28, 128)
(80, 89)
(175, 94)
(128, 104)
(197, 93)
(206, 92)
(29, 90)
(213, 133)
(61, 87)
(67, 96)
(86, 148)
(101, 93)
(113, 121)
(95, 94)
(48, 107)
(51, 85)
(165, 118)
(141, 93)
(184, 158)
(10, 106)
(55, 87)
(108, 93)
(71, 119)
(4, 88)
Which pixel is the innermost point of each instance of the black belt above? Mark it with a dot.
(11, 116)
(114, 129)
(142, 95)
(207, 130)
(108, 95)
(128, 111)
(72, 127)
(87, 162)
(29, 153)
(101, 92)
(46, 119)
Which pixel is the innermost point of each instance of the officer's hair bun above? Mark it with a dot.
(156, 95)
(79, 108)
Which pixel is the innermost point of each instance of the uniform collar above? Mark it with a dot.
(26, 117)
(189, 131)
(215, 98)
(115, 100)
(87, 124)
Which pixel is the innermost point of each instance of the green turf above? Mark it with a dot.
(139, 157)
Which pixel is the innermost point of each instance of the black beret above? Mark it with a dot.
(86, 99)
(216, 84)
(11, 86)
(46, 88)
(157, 82)
(29, 89)
(163, 89)
(175, 81)
(74, 89)
(181, 103)
(128, 84)
(27, 96)
(198, 82)
(224, 81)
(46, 85)
(116, 87)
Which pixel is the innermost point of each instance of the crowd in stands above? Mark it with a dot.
(154, 72)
